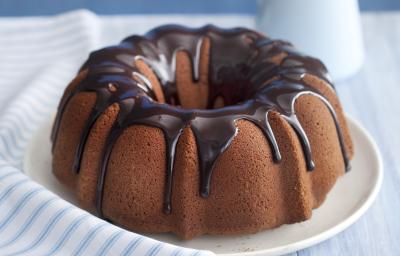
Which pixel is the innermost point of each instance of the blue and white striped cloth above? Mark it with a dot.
(37, 58)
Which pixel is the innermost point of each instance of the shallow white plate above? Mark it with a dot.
(349, 199)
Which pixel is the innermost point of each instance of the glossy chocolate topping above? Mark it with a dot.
(240, 71)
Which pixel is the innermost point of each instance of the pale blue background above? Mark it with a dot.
(47, 7)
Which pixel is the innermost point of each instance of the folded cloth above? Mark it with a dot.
(38, 56)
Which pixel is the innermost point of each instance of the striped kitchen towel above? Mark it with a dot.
(37, 58)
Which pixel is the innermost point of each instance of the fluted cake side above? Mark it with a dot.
(204, 131)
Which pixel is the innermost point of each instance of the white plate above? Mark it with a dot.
(352, 195)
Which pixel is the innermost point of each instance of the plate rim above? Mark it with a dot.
(301, 244)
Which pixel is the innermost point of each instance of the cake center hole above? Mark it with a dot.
(216, 85)
(233, 88)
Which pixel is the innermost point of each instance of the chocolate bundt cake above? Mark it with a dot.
(200, 131)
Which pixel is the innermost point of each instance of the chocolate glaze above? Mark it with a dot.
(240, 71)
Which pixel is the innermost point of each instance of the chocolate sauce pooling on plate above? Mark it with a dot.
(240, 71)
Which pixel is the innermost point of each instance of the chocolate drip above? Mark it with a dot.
(240, 71)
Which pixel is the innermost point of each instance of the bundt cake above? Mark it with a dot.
(200, 131)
